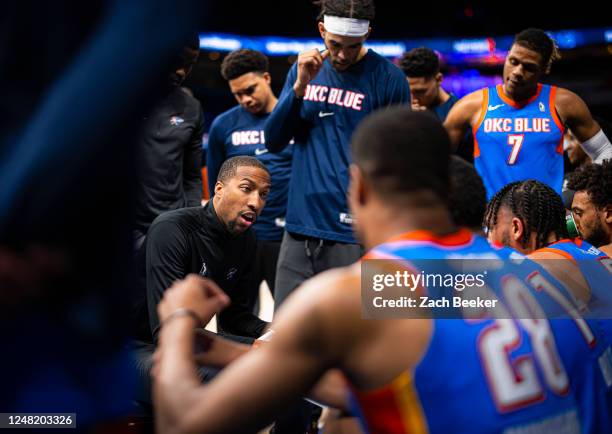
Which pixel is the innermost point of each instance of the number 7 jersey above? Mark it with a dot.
(514, 142)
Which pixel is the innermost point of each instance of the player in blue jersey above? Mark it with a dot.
(398, 386)
(529, 217)
(326, 95)
(240, 131)
(518, 125)
(592, 203)
(422, 69)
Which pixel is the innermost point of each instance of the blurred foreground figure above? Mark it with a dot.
(65, 194)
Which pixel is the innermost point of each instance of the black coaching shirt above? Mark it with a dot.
(169, 158)
(193, 240)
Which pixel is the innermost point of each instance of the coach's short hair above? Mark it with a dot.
(231, 165)
(420, 62)
(537, 40)
(403, 151)
(359, 9)
(240, 62)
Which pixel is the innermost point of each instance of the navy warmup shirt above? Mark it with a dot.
(238, 132)
(442, 110)
(322, 124)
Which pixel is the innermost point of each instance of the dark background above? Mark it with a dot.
(586, 70)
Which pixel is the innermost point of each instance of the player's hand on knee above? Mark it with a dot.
(193, 295)
(309, 63)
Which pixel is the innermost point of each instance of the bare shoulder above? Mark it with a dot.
(466, 110)
(566, 100)
(472, 102)
(331, 298)
(565, 96)
(569, 105)
(565, 270)
(544, 254)
(324, 290)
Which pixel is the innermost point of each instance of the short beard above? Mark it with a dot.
(598, 236)
(231, 228)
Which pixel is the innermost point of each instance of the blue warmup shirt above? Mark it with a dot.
(238, 132)
(515, 142)
(442, 110)
(322, 123)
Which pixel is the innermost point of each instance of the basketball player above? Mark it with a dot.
(592, 204)
(397, 386)
(529, 217)
(422, 68)
(326, 94)
(518, 126)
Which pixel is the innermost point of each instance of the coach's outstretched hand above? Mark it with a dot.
(196, 294)
(309, 63)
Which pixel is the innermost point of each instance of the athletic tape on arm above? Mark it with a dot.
(598, 147)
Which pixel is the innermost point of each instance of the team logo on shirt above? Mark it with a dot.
(518, 125)
(176, 120)
(332, 95)
(231, 273)
(541, 106)
(593, 251)
(248, 137)
(260, 151)
(203, 269)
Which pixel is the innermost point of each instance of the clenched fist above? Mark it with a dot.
(309, 64)
(194, 293)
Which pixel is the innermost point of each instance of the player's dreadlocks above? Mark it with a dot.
(359, 9)
(596, 180)
(537, 205)
(537, 40)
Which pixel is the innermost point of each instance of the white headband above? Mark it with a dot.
(346, 26)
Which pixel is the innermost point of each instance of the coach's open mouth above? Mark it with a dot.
(248, 218)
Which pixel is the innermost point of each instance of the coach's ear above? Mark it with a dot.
(219, 189)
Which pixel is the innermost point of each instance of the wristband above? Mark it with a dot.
(183, 312)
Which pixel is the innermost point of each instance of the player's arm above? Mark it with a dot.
(576, 115)
(330, 390)
(397, 90)
(282, 124)
(566, 272)
(192, 164)
(250, 392)
(463, 115)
